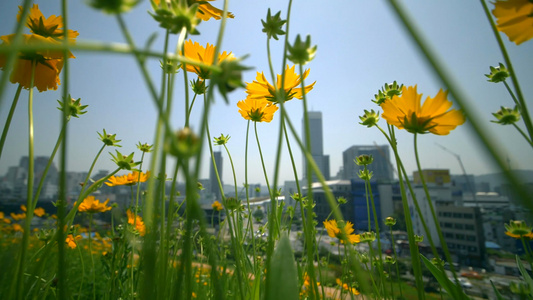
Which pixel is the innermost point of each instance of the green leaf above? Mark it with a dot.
(283, 276)
(496, 292)
(525, 274)
(453, 289)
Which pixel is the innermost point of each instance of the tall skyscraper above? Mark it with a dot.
(317, 145)
(381, 167)
(213, 182)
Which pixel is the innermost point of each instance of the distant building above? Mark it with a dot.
(462, 228)
(355, 208)
(213, 181)
(381, 167)
(317, 145)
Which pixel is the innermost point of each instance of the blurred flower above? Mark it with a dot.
(92, 205)
(346, 287)
(406, 112)
(185, 144)
(204, 12)
(137, 222)
(390, 221)
(232, 203)
(46, 64)
(257, 110)
(72, 241)
(260, 88)
(334, 230)
(507, 116)
(364, 160)
(515, 19)
(3, 218)
(128, 179)
(518, 229)
(365, 174)
(207, 11)
(17, 227)
(113, 6)
(18, 217)
(39, 212)
(196, 52)
(217, 206)
(46, 27)
(301, 52)
(368, 236)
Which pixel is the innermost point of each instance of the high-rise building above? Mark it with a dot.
(381, 167)
(213, 182)
(317, 145)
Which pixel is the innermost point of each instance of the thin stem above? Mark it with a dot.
(9, 117)
(523, 107)
(443, 243)
(29, 192)
(91, 254)
(512, 95)
(523, 134)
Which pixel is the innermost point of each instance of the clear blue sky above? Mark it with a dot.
(361, 46)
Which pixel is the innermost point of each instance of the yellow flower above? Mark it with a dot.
(217, 206)
(46, 27)
(136, 221)
(515, 19)
(17, 227)
(128, 179)
(207, 11)
(257, 110)
(406, 112)
(17, 217)
(346, 287)
(198, 53)
(39, 212)
(92, 205)
(72, 241)
(260, 88)
(334, 231)
(47, 64)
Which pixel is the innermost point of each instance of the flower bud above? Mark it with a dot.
(498, 74)
(301, 52)
(370, 118)
(272, 25)
(507, 116)
(390, 221)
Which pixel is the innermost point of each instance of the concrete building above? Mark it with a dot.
(317, 145)
(214, 188)
(462, 228)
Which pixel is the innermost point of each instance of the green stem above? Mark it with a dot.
(29, 192)
(376, 221)
(512, 95)
(523, 134)
(246, 185)
(413, 246)
(443, 243)
(396, 260)
(9, 118)
(93, 271)
(523, 108)
(48, 165)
